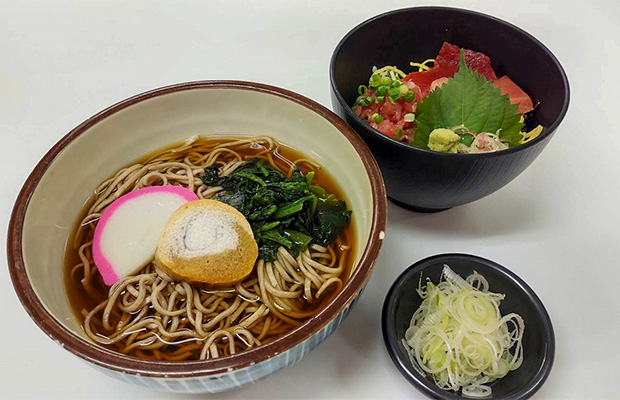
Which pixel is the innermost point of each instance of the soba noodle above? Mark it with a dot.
(150, 315)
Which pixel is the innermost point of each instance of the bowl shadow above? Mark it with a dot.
(482, 219)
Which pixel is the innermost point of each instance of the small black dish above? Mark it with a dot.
(538, 339)
(424, 180)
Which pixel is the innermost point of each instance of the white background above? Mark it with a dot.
(556, 225)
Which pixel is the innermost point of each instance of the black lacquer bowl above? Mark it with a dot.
(538, 338)
(424, 180)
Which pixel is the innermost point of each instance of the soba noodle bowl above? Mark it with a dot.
(150, 315)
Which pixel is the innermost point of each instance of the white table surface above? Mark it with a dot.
(556, 225)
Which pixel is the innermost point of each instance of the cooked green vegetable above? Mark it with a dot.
(468, 100)
(289, 212)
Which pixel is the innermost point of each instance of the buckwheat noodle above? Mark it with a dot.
(150, 315)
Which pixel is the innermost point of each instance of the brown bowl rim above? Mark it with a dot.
(103, 357)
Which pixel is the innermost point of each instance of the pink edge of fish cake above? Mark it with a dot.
(106, 268)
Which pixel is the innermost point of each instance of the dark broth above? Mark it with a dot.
(82, 302)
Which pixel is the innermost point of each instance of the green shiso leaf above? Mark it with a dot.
(468, 99)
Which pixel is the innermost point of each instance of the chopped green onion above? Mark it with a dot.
(380, 99)
(360, 99)
(403, 90)
(400, 134)
(462, 317)
(370, 100)
(375, 80)
(409, 117)
(386, 80)
(382, 90)
(409, 97)
(396, 84)
(390, 99)
(362, 89)
(377, 118)
(394, 92)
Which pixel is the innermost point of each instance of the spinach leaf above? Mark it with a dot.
(299, 241)
(268, 251)
(277, 237)
(329, 222)
(210, 177)
(290, 212)
(293, 207)
(234, 199)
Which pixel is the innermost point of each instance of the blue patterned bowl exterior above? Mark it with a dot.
(237, 378)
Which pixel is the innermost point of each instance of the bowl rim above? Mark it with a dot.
(350, 114)
(112, 360)
(402, 364)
